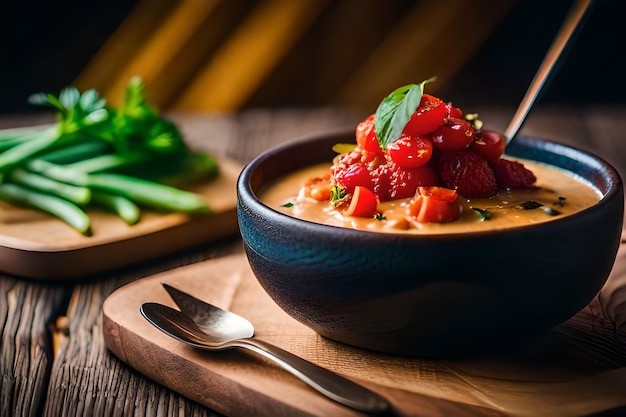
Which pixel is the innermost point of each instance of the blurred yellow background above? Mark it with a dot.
(228, 55)
(214, 55)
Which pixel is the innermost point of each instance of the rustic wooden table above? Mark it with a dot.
(53, 358)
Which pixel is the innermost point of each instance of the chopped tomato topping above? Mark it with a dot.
(428, 116)
(454, 135)
(435, 205)
(363, 203)
(410, 152)
(366, 136)
(490, 145)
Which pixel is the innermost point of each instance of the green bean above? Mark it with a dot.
(11, 143)
(107, 162)
(57, 172)
(149, 193)
(122, 206)
(72, 193)
(63, 209)
(22, 131)
(76, 152)
(24, 150)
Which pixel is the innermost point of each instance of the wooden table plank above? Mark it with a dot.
(27, 312)
(87, 380)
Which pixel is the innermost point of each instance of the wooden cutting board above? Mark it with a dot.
(36, 245)
(239, 383)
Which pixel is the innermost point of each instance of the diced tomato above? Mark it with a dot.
(410, 152)
(366, 138)
(363, 129)
(363, 203)
(428, 116)
(490, 145)
(454, 111)
(454, 135)
(353, 176)
(435, 205)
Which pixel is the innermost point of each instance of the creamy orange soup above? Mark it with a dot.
(558, 193)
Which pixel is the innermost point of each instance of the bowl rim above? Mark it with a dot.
(246, 196)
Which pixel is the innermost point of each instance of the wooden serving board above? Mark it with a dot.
(238, 383)
(37, 245)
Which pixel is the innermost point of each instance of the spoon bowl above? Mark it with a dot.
(182, 328)
(208, 320)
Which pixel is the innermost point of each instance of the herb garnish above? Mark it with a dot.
(532, 205)
(338, 195)
(484, 214)
(529, 205)
(379, 217)
(288, 204)
(395, 110)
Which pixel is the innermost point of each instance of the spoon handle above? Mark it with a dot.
(332, 385)
(565, 34)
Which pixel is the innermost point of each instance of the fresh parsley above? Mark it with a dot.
(395, 110)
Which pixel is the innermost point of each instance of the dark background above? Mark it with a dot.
(45, 44)
(590, 71)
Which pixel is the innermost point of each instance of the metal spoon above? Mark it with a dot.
(225, 330)
(558, 45)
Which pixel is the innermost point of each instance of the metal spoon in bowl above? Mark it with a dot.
(571, 23)
(215, 329)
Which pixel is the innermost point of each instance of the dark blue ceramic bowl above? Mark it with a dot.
(433, 296)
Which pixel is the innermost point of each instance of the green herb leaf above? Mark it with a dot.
(338, 195)
(288, 204)
(484, 214)
(138, 126)
(69, 97)
(395, 110)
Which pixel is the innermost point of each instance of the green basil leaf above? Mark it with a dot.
(395, 110)
(385, 112)
(404, 111)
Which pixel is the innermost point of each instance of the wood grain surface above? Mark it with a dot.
(236, 384)
(53, 358)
